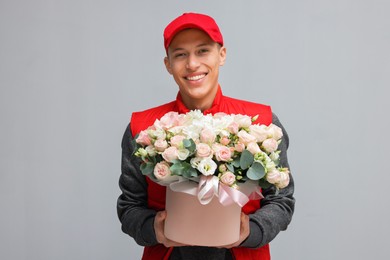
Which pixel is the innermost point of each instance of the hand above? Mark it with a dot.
(244, 231)
(159, 222)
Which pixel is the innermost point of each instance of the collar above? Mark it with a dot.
(215, 107)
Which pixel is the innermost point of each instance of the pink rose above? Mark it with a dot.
(245, 138)
(169, 120)
(228, 178)
(170, 154)
(270, 145)
(207, 136)
(143, 139)
(177, 140)
(224, 140)
(284, 180)
(233, 128)
(253, 147)
(203, 150)
(260, 132)
(273, 176)
(162, 171)
(239, 147)
(222, 153)
(160, 145)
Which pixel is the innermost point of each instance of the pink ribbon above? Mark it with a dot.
(210, 186)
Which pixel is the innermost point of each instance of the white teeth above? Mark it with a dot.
(198, 77)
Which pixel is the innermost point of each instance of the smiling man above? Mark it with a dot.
(195, 51)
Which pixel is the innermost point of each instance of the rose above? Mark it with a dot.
(242, 120)
(170, 154)
(273, 176)
(203, 150)
(224, 140)
(169, 120)
(233, 128)
(207, 166)
(158, 133)
(177, 140)
(260, 132)
(222, 153)
(245, 138)
(284, 179)
(239, 147)
(143, 139)
(160, 145)
(253, 147)
(207, 135)
(270, 145)
(228, 178)
(162, 172)
(275, 132)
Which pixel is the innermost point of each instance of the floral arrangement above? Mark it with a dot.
(231, 148)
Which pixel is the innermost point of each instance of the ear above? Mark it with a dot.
(222, 55)
(168, 65)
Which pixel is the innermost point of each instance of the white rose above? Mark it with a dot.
(242, 120)
(245, 138)
(270, 145)
(260, 132)
(253, 147)
(275, 132)
(273, 176)
(160, 145)
(284, 180)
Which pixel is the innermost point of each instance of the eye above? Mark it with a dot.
(203, 51)
(179, 55)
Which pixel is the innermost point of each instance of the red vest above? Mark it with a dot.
(156, 193)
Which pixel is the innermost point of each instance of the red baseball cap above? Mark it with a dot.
(195, 21)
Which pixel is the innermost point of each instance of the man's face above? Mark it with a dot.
(193, 61)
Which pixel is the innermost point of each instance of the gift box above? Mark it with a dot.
(191, 223)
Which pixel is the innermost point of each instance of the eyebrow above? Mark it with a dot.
(197, 46)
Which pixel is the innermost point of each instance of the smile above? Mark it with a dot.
(197, 77)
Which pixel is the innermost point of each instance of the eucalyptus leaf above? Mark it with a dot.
(236, 162)
(246, 159)
(147, 168)
(189, 144)
(256, 171)
(188, 171)
(230, 167)
(177, 169)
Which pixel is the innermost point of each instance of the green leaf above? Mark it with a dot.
(188, 171)
(236, 162)
(230, 167)
(177, 169)
(264, 184)
(256, 171)
(246, 159)
(189, 144)
(147, 168)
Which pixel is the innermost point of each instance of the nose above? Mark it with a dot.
(192, 63)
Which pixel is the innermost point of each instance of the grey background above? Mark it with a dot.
(71, 73)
